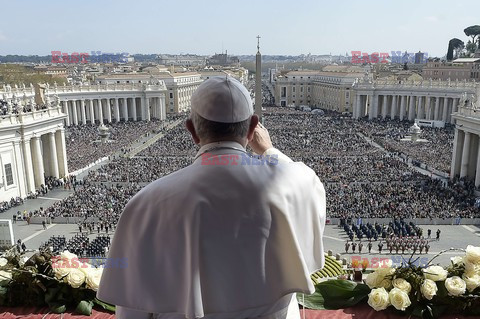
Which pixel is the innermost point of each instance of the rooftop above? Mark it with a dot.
(466, 60)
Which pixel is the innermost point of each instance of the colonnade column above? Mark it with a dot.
(428, 109)
(74, 112)
(29, 172)
(66, 111)
(436, 115)
(384, 106)
(411, 108)
(134, 108)
(477, 173)
(39, 172)
(402, 107)
(457, 153)
(109, 110)
(91, 111)
(163, 108)
(393, 110)
(465, 155)
(356, 108)
(82, 109)
(53, 156)
(125, 109)
(61, 152)
(100, 110)
(445, 109)
(375, 105)
(147, 109)
(116, 109)
(420, 108)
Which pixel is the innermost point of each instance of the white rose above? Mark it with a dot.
(3, 261)
(402, 284)
(75, 278)
(472, 269)
(378, 299)
(399, 299)
(371, 280)
(385, 271)
(435, 273)
(385, 283)
(66, 255)
(60, 271)
(93, 278)
(5, 277)
(472, 282)
(473, 254)
(455, 286)
(429, 289)
(457, 260)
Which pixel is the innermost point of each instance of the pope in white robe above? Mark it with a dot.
(229, 236)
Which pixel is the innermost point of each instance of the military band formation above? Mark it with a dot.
(397, 237)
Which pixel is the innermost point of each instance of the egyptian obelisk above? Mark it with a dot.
(258, 83)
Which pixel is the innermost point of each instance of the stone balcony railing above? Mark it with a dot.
(469, 112)
(24, 92)
(32, 116)
(106, 88)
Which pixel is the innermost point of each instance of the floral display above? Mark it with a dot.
(62, 283)
(422, 291)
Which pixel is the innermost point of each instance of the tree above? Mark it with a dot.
(471, 47)
(454, 45)
(472, 31)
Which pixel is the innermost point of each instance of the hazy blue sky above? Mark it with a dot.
(205, 26)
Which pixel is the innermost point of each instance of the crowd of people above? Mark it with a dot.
(84, 145)
(101, 201)
(361, 179)
(79, 244)
(435, 151)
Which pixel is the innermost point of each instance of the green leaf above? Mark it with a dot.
(336, 294)
(58, 308)
(84, 307)
(418, 311)
(3, 296)
(108, 306)
(314, 301)
(337, 288)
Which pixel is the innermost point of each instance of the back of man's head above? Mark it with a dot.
(221, 108)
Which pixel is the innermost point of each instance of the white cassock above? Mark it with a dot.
(218, 241)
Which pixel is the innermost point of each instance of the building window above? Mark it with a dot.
(293, 89)
(9, 174)
(171, 95)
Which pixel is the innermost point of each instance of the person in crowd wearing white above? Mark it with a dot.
(230, 236)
